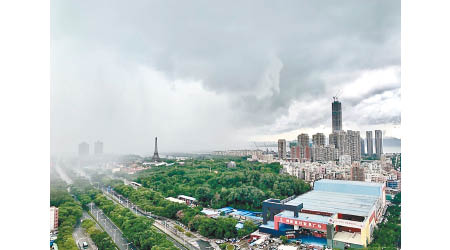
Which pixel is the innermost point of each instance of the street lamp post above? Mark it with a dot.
(115, 230)
(104, 222)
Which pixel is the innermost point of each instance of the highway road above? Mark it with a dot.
(176, 243)
(79, 236)
(166, 226)
(104, 221)
(110, 228)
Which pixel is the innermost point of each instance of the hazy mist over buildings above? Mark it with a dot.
(202, 75)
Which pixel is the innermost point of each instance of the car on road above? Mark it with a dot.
(85, 245)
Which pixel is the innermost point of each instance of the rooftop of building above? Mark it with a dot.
(351, 183)
(175, 200)
(186, 197)
(209, 212)
(337, 196)
(349, 187)
(332, 202)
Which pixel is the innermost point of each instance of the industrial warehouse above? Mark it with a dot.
(338, 214)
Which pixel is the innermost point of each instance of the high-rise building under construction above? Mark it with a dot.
(336, 115)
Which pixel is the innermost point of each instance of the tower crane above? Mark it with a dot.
(335, 97)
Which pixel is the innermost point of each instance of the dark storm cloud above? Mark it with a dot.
(262, 56)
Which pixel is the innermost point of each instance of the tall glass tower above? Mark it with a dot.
(336, 115)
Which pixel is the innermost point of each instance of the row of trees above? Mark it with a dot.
(388, 234)
(68, 215)
(215, 185)
(101, 239)
(152, 201)
(136, 229)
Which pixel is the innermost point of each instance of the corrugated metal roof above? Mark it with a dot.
(351, 187)
(335, 202)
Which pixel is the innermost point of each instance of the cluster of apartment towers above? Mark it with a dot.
(83, 148)
(341, 143)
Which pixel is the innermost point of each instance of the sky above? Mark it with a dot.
(204, 75)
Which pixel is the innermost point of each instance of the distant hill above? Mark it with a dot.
(392, 142)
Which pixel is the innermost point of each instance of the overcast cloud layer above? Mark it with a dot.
(203, 75)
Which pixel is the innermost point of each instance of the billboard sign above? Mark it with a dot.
(347, 223)
(301, 223)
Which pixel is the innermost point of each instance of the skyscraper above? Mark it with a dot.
(339, 140)
(378, 143)
(83, 149)
(353, 144)
(363, 147)
(303, 140)
(336, 115)
(98, 147)
(318, 139)
(369, 140)
(281, 148)
(303, 143)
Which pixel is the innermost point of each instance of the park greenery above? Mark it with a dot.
(152, 201)
(68, 215)
(100, 238)
(137, 229)
(226, 246)
(215, 185)
(388, 234)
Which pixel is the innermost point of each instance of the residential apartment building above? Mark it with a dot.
(53, 218)
(378, 143)
(281, 149)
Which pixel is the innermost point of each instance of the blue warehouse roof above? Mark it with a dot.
(349, 187)
(346, 197)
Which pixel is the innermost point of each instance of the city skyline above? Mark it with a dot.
(200, 89)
